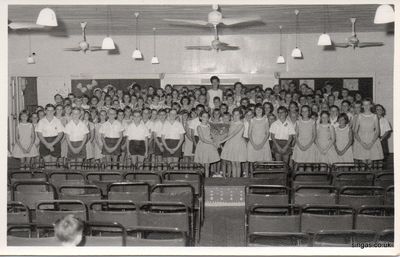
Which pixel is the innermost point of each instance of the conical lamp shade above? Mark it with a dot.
(280, 60)
(324, 40)
(296, 53)
(108, 44)
(137, 54)
(154, 60)
(47, 17)
(384, 14)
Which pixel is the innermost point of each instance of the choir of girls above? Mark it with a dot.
(283, 123)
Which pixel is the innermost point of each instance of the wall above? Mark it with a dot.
(253, 63)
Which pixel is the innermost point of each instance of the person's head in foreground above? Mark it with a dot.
(68, 230)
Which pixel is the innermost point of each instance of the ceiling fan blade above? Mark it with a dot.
(367, 44)
(228, 48)
(24, 25)
(344, 45)
(75, 49)
(95, 48)
(193, 22)
(207, 48)
(236, 21)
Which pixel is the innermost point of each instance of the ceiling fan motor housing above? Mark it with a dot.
(214, 17)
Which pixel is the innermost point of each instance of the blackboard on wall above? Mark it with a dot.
(363, 85)
(78, 85)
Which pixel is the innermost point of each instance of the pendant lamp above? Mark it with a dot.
(325, 39)
(296, 53)
(47, 17)
(154, 60)
(280, 59)
(30, 59)
(137, 55)
(384, 14)
(108, 42)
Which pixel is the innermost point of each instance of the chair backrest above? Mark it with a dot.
(326, 217)
(133, 191)
(312, 166)
(343, 238)
(51, 211)
(85, 193)
(164, 215)
(185, 166)
(103, 179)
(94, 238)
(311, 178)
(59, 178)
(348, 167)
(156, 236)
(151, 178)
(116, 165)
(389, 196)
(273, 218)
(386, 237)
(193, 177)
(375, 218)
(353, 179)
(122, 211)
(31, 198)
(29, 176)
(154, 166)
(384, 179)
(17, 213)
(276, 177)
(266, 195)
(292, 239)
(173, 193)
(274, 165)
(315, 195)
(29, 235)
(356, 196)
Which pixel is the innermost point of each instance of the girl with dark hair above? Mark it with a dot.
(304, 149)
(344, 139)
(24, 148)
(206, 150)
(235, 147)
(325, 140)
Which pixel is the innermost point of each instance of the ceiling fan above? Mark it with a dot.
(215, 18)
(216, 45)
(83, 45)
(354, 42)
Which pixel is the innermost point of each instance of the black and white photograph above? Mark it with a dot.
(197, 125)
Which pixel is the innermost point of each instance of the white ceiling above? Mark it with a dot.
(311, 18)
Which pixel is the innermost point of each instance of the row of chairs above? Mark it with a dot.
(311, 219)
(331, 238)
(98, 234)
(85, 165)
(340, 179)
(176, 186)
(354, 196)
(324, 167)
(162, 215)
